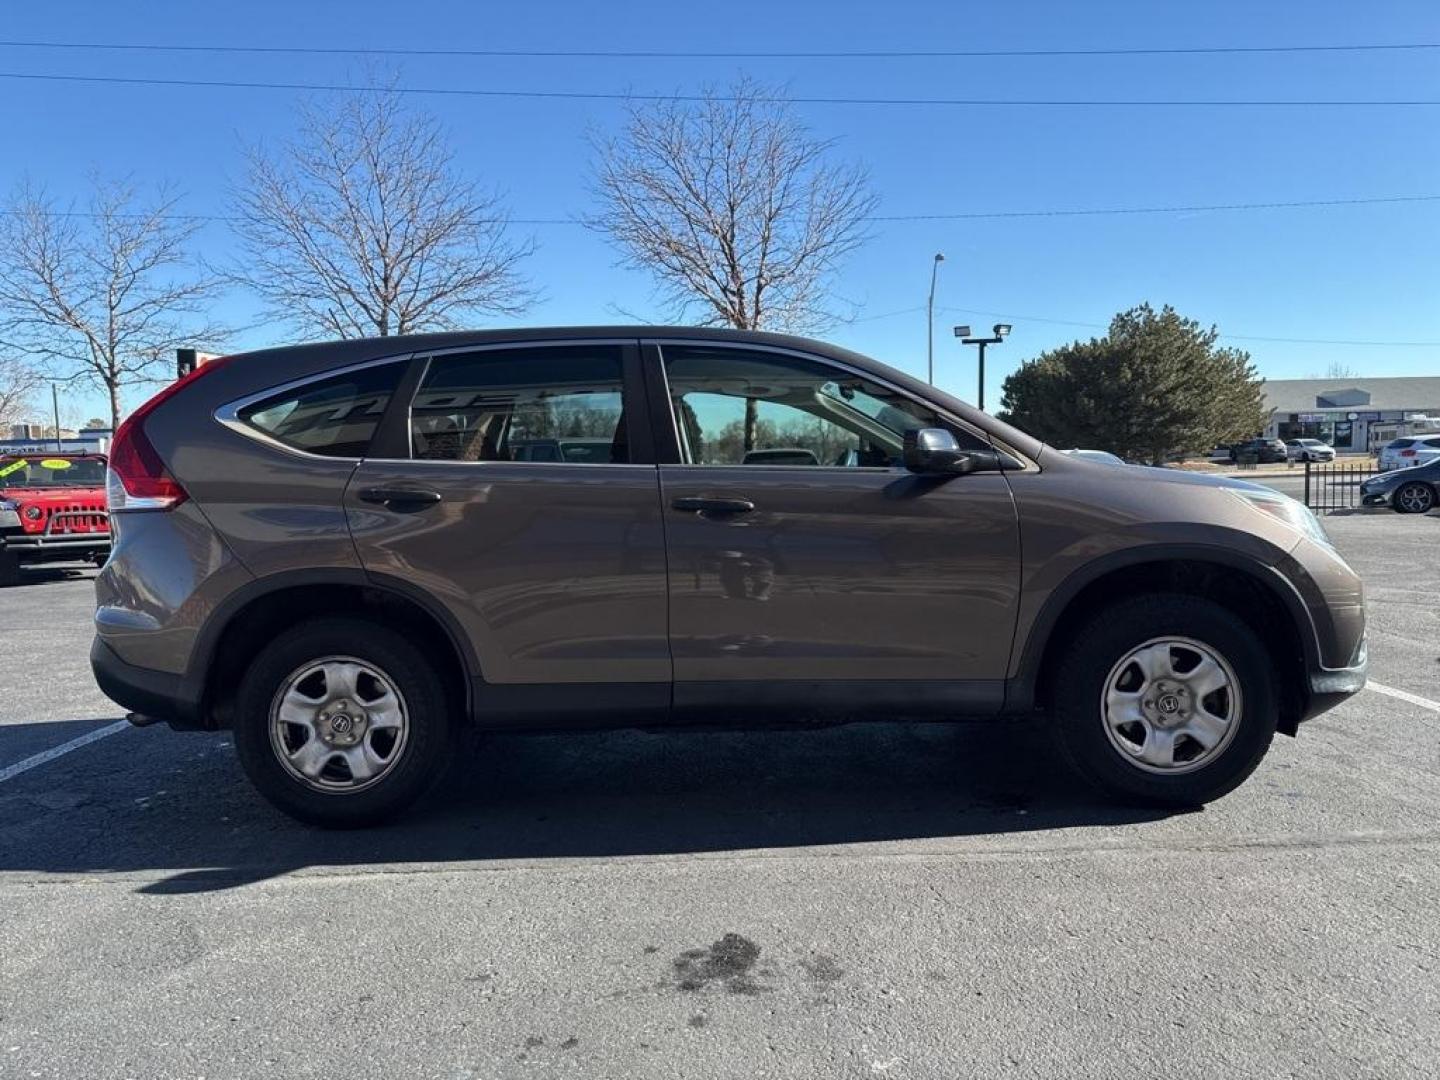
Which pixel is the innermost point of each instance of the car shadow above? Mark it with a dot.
(50, 575)
(180, 803)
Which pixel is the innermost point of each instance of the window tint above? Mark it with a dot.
(553, 404)
(1432, 442)
(48, 470)
(734, 407)
(335, 417)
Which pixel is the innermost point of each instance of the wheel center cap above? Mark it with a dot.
(341, 724)
(1169, 704)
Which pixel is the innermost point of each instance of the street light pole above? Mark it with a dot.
(980, 396)
(1001, 331)
(930, 321)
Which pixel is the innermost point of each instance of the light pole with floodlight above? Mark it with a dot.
(1001, 331)
(930, 321)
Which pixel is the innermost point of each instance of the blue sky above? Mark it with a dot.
(1367, 273)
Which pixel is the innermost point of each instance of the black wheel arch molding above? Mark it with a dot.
(195, 685)
(1285, 580)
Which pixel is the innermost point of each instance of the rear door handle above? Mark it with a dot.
(703, 505)
(400, 498)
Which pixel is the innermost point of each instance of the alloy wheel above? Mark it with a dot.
(1415, 498)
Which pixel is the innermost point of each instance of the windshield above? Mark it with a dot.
(39, 472)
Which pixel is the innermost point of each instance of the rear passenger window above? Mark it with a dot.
(334, 417)
(557, 404)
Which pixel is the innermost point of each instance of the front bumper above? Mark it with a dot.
(157, 694)
(1330, 686)
(37, 542)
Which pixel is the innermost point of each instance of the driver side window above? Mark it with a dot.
(736, 407)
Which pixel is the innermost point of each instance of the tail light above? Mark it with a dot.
(136, 478)
(1407, 453)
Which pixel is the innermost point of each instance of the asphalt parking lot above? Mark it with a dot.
(895, 900)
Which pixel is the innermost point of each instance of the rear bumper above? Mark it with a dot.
(157, 694)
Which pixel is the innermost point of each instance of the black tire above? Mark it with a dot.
(1106, 638)
(9, 568)
(1421, 498)
(429, 710)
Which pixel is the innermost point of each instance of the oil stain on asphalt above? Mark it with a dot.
(727, 964)
(821, 968)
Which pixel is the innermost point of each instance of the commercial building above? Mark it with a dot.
(37, 438)
(1355, 415)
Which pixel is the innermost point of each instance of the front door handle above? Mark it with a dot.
(394, 498)
(702, 505)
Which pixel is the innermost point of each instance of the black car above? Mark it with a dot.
(1415, 490)
(1265, 451)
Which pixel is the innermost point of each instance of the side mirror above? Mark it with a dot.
(934, 451)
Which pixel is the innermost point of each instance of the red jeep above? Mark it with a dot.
(52, 509)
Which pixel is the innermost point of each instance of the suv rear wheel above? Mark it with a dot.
(342, 722)
(1165, 699)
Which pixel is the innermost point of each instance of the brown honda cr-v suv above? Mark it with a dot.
(348, 553)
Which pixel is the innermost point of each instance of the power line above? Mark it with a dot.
(1294, 204)
(722, 54)
(1161, 209)
(577, 95)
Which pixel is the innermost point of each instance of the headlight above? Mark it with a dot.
(1294, 513)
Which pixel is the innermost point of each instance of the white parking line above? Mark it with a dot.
(1404, 695)
(12, 771)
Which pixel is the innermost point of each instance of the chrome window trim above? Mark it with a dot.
(228, 414)
(1027, 463)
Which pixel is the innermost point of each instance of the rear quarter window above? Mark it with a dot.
(334, 417)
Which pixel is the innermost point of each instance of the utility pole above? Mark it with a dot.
(55, 401)
(930, 322)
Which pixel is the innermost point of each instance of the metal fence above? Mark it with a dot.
(1335, 486)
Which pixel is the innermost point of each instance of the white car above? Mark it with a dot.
(1308, 450)
(1415, 450)
(1096, 455)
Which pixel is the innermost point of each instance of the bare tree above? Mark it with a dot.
(733, 206)
(363, 226)
(101, 298)
(18, 383)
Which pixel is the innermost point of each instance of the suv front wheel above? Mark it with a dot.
(342, 722)
(1165, 699)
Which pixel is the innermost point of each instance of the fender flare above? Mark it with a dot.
(202, 655)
